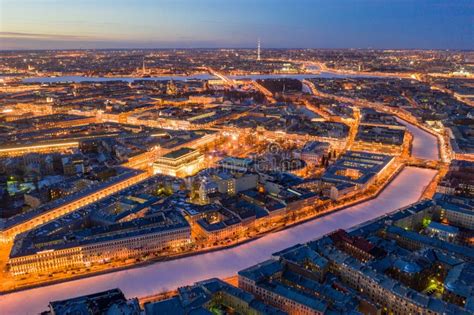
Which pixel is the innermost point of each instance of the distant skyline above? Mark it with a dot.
(397, 24)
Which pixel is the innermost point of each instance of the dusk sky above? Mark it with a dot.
(47, 24)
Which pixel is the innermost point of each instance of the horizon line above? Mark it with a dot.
(235, 48)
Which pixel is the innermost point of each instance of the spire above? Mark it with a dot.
(258, 50)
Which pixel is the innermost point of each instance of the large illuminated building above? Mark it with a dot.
(133, 239)
(355, 171)
(41, 147)
(10, 227)
(128, 225)
(179, 163)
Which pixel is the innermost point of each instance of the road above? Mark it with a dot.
(163, 276)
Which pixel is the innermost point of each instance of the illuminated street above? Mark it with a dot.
(404, 190)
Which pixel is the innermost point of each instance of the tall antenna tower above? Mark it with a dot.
(143, 66)
(258, 50)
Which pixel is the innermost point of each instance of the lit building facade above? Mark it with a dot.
(134, 244)
(179, 163)
(50, 211)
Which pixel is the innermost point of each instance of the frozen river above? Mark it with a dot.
(162, 276)
(425, 145)
(72, 78)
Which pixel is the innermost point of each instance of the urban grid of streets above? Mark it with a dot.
(422, 161)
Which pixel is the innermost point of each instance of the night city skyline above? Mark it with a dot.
(400, 24)
(245, 157)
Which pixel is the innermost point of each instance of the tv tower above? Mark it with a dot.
(143, 66)
(258, 50)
